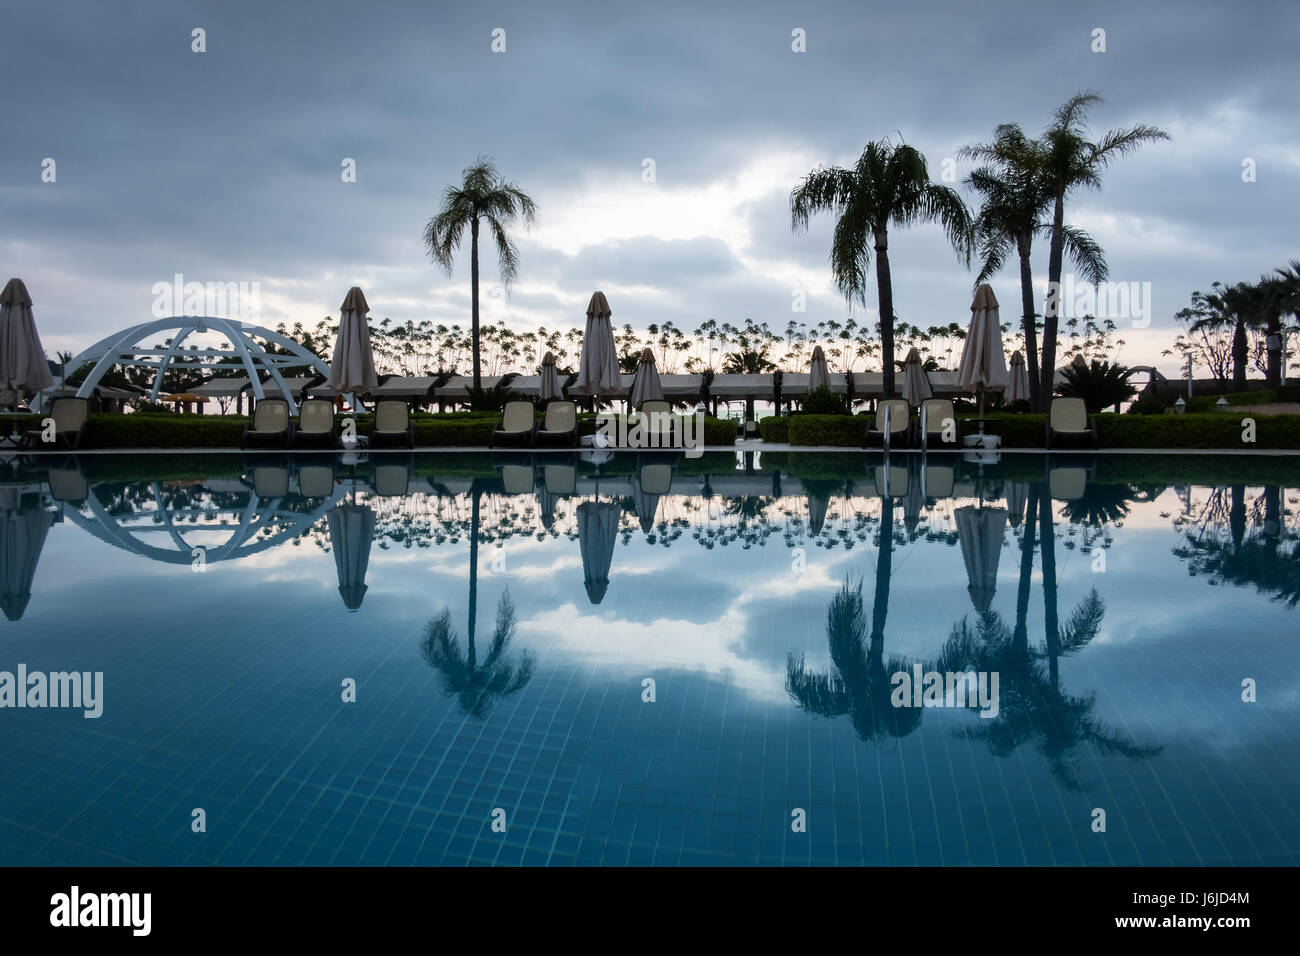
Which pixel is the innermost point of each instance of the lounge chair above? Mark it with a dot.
(656, 479)
(271, 424)
(750, 429)
(271, 481)
(936, 413)
(892, 481)
(900, 422)
(392, 424)
(316, 424)
(70, 416)
(68, 483)
(316, 480)
(559, 427)
(1067, 484)
(656, 417)
(1068, 418)
(939, 481)
(391, 478)
(560, 479)
(518, 422)
(517, 479)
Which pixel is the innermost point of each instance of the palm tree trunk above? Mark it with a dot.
(473, 278)
(1052, 308)
(471, 657)
(1240, 356)
(1031, 333)
(884, 570)
(1273, 374)
(885, 294)
(1051, 617)
(1021, 634)
(1237, 516)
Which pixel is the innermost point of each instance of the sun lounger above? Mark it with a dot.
(517, 479)
(898, 415)
(559, 427)
(656, 418)
(517, 425)
(938, 416)
(271, 424)
(392, 424)
(271, 481)
(316, 480)
(392, 478)
(892, 481)
(1068, 417)
(70, 416)
(316, 424)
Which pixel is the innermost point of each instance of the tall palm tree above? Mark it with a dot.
(1070, 161)
(482, 197)
(1014, 199)
(889, 184)
(1235, 307)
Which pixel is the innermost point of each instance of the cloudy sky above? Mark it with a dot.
(225, 165)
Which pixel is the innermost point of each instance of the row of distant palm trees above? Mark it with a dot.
(1239, 308)
(1023, 185)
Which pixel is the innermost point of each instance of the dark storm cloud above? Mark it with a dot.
(225, 165)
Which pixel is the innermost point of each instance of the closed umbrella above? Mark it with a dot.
(916, 384)
(597, 535)
(548, 388)
(23, 367)
(352, 369)
(352, 529)
(23, 526)
(819, 374)
(983, 365)
(980, 532)
(1017, 379)
(598, 365)
(1017, 497)
(647, 387)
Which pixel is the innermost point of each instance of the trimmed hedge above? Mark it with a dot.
(847, 431)
(775, 428)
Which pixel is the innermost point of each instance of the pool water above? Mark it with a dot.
(559, 660)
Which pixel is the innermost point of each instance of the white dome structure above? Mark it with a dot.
(134, 346)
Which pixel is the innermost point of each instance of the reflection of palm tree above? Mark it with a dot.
(859, 684)
(1032, 705)
(476, 684)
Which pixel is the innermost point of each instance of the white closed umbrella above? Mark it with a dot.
(548, 388)
(819, 374)
(646, 387)
(352, 369)
(598, 365)
(23, 367)
(597, 536)
(916, 384)
(352, 531)
(983, 364)
(1017, 379)
(980, 533)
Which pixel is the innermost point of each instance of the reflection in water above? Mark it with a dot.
(859, 685)
(1219, 546)
(1033, 706)
(477, 685)
(24, 522)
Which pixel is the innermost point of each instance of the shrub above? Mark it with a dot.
(775, 429)
(822, 401)
(846, 431)
(1100, 384)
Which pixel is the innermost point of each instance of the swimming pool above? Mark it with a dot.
(637, 660)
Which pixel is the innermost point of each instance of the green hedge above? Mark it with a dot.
(775, 429)
(847, 431)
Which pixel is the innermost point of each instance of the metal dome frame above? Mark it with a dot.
(124, 348)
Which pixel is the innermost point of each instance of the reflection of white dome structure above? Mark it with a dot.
(126, 348)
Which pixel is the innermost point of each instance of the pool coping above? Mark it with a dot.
(740, 446)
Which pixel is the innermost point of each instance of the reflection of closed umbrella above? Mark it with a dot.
(983, 365)
(980, 531)
(817, 505)
(23, 367)
(352, 369)
(23, 526)
(646, 387)
(598, 365)
(548, 388)
(546, 508)
(647, 504)
(914, 500)
(352, 528)
(1017, 497)
(819, 375)
(1017, 379)
(597, 534)
(916, 384)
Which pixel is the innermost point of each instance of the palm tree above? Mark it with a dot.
(1070, 160)
(1237, 307)
(482, 196)
(1015, 198)
(476, 684)
(889, 184)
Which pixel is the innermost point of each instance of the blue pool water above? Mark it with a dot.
(1121, 601)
